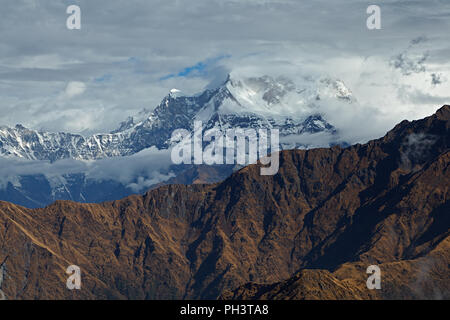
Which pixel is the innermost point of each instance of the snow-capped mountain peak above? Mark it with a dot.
(252, 102)
(174, 93)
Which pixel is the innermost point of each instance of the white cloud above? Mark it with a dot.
(75, 88)
(138, 171)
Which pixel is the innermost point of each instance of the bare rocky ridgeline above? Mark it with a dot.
(308, 232)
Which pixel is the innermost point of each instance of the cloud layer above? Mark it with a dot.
(128, 55)
(137, 172)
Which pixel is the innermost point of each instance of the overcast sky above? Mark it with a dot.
(129, 54)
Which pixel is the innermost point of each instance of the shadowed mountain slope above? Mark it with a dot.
(308, 232)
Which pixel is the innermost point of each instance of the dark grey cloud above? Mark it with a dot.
(409, 62)
(418, 40)
(436, 79)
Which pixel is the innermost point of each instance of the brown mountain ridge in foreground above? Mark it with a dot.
(309, 232)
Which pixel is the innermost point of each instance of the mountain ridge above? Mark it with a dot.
(337, 210)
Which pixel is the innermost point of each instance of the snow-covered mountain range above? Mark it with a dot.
(254, 102)
(246, 103)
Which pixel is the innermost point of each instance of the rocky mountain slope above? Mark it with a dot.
(308, 232)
